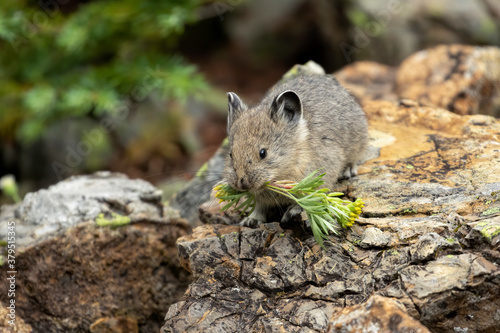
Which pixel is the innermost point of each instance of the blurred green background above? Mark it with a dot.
(139, 86)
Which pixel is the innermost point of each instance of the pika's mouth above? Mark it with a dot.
(259, 189)
(252, 187)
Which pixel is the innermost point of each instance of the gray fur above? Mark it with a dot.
(334, 140)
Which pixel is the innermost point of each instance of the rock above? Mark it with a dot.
(427, 241)
(374, 237)
(462, 79)
(79, 277)
(435, 277)
(377, 314)
(428, 246)
(438, 162)
(459, 78)
(488, 229)
(300, 285)
(232, 306)
(115, 325)
(9, 317)
(210, 213)
(309, 67)
(368, 80)
(78, 199)
(455, 292)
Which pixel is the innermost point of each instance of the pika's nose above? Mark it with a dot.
(243, 184)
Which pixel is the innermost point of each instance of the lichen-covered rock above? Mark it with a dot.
(272, 280)
(77, 276)
(374, 237)
(78, 199)
(428, 240)
(438, 162)
(489, 228)
(278, 278)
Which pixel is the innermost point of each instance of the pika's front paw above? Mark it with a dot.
(257, 217)
(292, 216)
(349, 172)
(250, 222)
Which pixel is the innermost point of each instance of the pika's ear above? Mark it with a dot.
(287, 106)
(235, 106)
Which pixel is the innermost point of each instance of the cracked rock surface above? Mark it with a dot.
(423, 257)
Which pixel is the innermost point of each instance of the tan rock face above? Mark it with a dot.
(369, 80)
(459, 78)
(436, 161)
(462, 79)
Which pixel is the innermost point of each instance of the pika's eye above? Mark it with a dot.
(262, 154)
(231, 155)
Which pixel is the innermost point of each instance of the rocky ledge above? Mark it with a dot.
(424, 256)
(94, 254)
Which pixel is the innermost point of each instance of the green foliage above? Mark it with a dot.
(227, 193)
(115, 221)
(76, 61)
(324, 210)
(9, 187)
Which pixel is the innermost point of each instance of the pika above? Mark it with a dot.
(303, 124)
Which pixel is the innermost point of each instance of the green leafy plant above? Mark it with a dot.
(61, 59)
(324, 209)
(9, 187)
(115, 221)
(227, 193)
